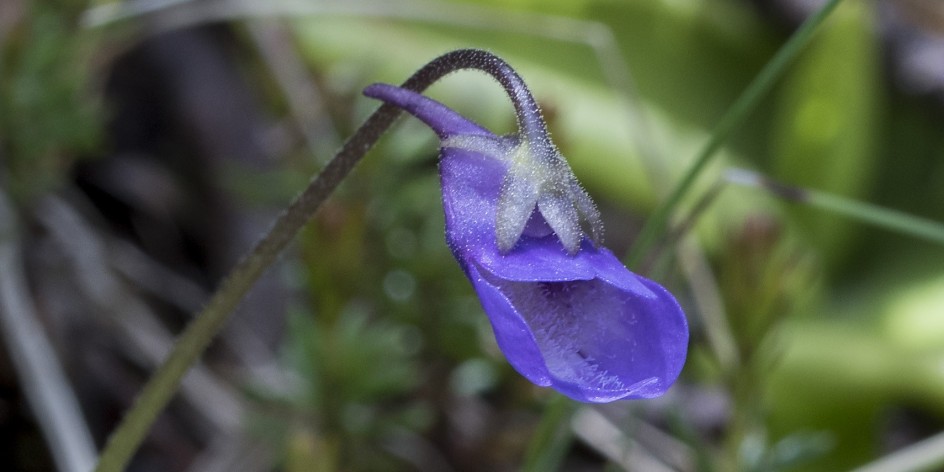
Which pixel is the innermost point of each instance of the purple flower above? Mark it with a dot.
(565, 312)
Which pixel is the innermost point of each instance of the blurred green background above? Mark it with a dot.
(177, 130)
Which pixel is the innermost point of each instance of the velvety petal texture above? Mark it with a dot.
(576, 321)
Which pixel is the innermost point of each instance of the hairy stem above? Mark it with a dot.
(160, 388)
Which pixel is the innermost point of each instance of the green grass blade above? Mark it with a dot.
(733, 118)
(867, 213)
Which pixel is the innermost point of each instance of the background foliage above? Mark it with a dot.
(172, 135)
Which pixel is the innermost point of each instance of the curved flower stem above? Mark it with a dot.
(127, 437)
(739, 111)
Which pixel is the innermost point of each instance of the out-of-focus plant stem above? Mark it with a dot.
(922, 456)
(745, 410)
(882, 217)
(730, 121)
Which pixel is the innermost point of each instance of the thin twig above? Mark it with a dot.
(302, 96)
(145, 335)
(707, 296)
(44, 383)
(155, 279)
(597, 431)
(922, 456)
(152, 277)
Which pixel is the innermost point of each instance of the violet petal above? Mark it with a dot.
(581, 323)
